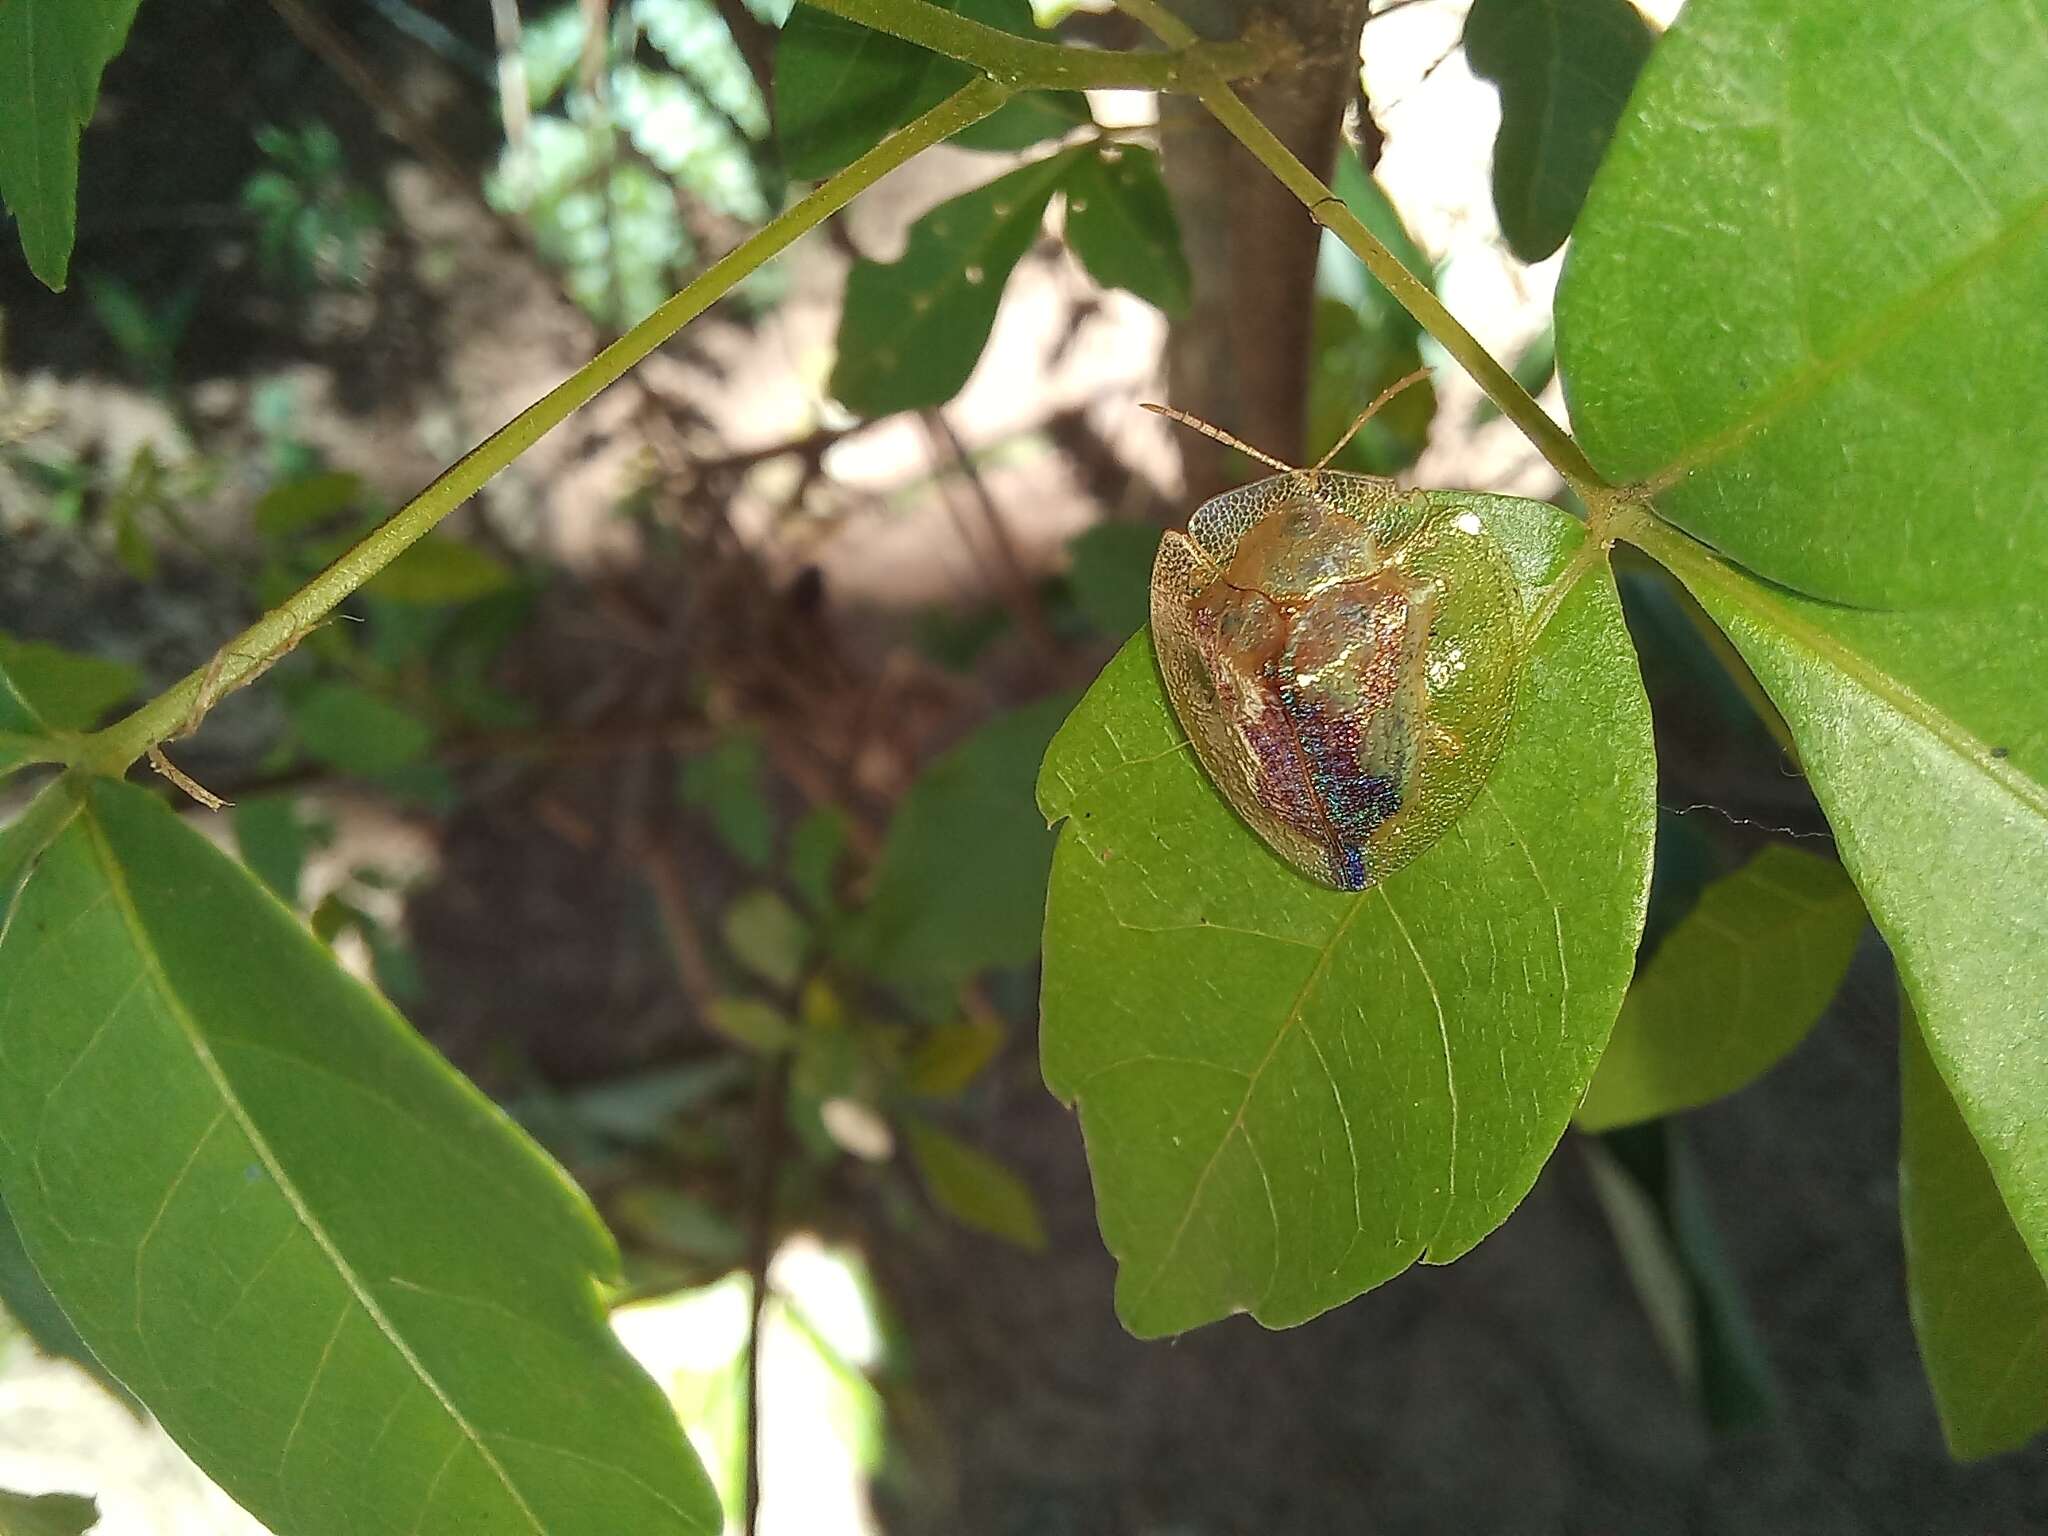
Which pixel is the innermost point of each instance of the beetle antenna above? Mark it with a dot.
(1218, 434)
(1368, 413)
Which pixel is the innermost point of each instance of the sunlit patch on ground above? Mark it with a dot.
(821, 1419)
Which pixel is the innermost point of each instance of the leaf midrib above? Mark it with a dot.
(1861, 344)
(1702, 570)
(195, 1039)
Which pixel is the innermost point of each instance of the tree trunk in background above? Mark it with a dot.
(1240, 357)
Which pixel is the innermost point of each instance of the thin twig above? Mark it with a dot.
(1012, 580)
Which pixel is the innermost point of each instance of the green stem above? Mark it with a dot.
(1327, 209)
(245, 657)
(1025, 64)
(1164, 25)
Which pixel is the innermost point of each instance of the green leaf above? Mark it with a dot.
(973, 1188)
(353, 730)
(960, 886)
(1026, 119)
(1805, 295)
(1111, 575)
(48, 1514)
(913, 329)
(1649, 1187)
(1831, 423)
(840, 88)
(1339, 272)
(29, 1303)
(751, 1023)
(816, 845)
(1290, 1093)
(679, 1225)
(333, 1270)
(1926, 739)
(442, 570)
(768, 937)
(62, 690)
(1357, 356)
(951, 1056)
(273, 843)
(300, 504)
(1533, 368)
(1564, 68)
(1364, 341)
(1120, 223)
(52, 53)
(1979, 1303)
(725, 784)
(1733, 989)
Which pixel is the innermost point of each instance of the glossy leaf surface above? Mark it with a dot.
(1806, 291)
(1980, 1306)
(1290, 1093)
(1734, 987)
(337, 1274)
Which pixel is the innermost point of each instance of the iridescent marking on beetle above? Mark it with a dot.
(1343, 655)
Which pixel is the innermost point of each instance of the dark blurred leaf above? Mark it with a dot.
(1564, 68)
(1356, 357)
(1364, 341)
(725, 784)
(51, 55)
(638, 1109)
(1111, 575)
(913, 329)
(1735, 987)
(961, 882)
(816, 845)
(439, 569)
(1533, 368)
(956, 639)
(1024, 120)
(300, 504)
(951, 1056)
(841, 87)
(355, 731)
(68, 690)
(678, 1224)
(1340, 274)
(766, 935)
(48, 1514)
(751, 1023)
(1651, 1191)
(29, 1302)
(1979, 1303)
(1120, 223)
(973, 1188)
(273, 842)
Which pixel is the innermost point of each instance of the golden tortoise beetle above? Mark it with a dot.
(1343, 654)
